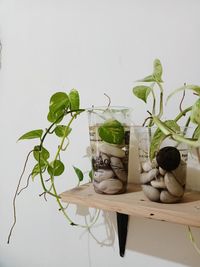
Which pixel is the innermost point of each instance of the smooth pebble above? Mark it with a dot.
(101, 175)
(118, 168)
(152, 193)
(166, 197)
(110, 186)
(158, 183)
(146, 166)
(146, 177)
(172, 185)
(112, 150)
(180, 173)
(162, 171)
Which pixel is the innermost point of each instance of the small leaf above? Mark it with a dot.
(32, 134)
(36, 170)
(55, 117)
(157, 72)
(60, 130)
(91, 174)
(44, 153)
(142, 92)
(79, 173)
(159, 136)
(196, 134)
(74, 99)
(149, 78)
(56, 168)
(112, 132)
(58, 102)
(195, 112)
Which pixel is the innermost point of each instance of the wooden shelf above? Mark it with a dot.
(187, 212)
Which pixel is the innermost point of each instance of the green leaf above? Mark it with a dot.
(159, 136)
(58, 102)
(149, 78)
(196, 134)
(91, 175)
(36, 170)
(79, 173)
(142, 92)
(157, 73)
(192, 87)
(32, 135)
(60, 130)
(74, 99)
(44, 153)
(112, 132)
(178, 137)
(157, 70)
(195, 112)
(56, 168)
(55, 117)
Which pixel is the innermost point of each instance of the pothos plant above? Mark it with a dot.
(64, 108)
(153, 85)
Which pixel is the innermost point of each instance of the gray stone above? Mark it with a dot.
(112, 150)
(152, 193)
(110, 186)
(180, 173)
(162, 171)
(158, 183)
(118, 168)
(166, 197)
(146, 177)
(101, 175)
(146, 166)
(172, 185)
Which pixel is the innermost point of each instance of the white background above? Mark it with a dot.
(97, 47)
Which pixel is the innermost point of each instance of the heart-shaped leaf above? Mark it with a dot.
(62, 130)
(56, 168)
(32, 135)
(195, 112)
(79, 173)
(112, 132)
(58, 101)
(142, 92)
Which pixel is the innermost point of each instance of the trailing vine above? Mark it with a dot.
(62, 105)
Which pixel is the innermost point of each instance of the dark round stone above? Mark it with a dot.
(168, 158)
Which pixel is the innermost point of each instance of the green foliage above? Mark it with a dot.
(142, 92)
(62, 130)
(56, 168)
(79, 173)
(112, 131)
(156, 76)
(74, 99)
(195, 113)
(32, 135)
(159, 136)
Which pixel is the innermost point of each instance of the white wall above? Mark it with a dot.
(96, 47)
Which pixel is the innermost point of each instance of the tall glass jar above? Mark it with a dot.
(109, 130)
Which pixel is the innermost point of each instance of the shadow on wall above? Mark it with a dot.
(162, 240)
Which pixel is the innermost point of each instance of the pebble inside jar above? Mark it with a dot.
(109, 141)
(163, 167)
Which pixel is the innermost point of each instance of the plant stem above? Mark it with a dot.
(161, 100)
(181, 114)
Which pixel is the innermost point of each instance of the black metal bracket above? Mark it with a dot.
(122, 228)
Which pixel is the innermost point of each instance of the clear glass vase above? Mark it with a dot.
(163, 166)
(109, 130)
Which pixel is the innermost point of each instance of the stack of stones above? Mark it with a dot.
(110, 169)
(163, 179)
